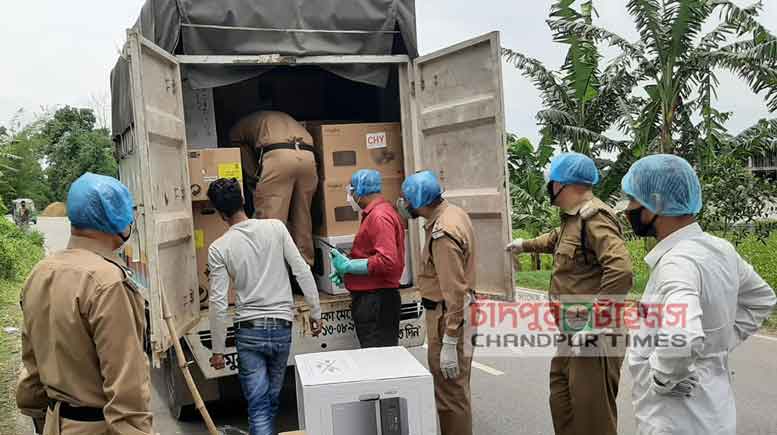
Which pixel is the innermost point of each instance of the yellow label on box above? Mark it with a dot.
(231, 170)
(199, 239)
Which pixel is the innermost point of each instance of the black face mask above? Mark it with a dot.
(641, 229)
(127, 237)
(552, 195)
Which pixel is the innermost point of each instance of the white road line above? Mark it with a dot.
(765, 337)
(487, 369)
(490, 370)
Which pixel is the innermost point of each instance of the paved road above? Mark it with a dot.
(509, 394)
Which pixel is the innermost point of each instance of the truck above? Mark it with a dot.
(322, 63)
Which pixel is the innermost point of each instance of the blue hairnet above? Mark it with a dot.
(101, 203)
(366, 182)
(664, 184)
(573, 168)
(421, 189)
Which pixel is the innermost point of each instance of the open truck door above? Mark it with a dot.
(459, 134)
(153, 163)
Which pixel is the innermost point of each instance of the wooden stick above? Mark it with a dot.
(184, 366)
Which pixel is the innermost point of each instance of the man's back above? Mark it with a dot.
(82, 338)
(254, 254)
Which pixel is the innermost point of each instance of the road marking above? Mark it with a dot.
(766, 337)
(481, 367)
(487, 369)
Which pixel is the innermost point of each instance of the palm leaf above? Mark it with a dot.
(543, 79)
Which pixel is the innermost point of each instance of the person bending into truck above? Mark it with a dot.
(85, 370)
(279, 172)
(373, 272)
(250, 256)
(592, 263)
(446, 282)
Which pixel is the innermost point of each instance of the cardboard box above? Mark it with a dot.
(208, 226)
(345, 148)
(322, 267)
(337, 216)
(208, 165)
(381, 390)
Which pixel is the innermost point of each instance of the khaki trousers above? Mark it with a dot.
(583, 393)
(61, 426)
(285, 192)
(454, 402)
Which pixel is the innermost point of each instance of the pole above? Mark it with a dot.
(184, 366)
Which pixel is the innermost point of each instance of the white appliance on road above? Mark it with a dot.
(375, 391)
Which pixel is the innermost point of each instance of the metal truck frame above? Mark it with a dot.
(452, 119)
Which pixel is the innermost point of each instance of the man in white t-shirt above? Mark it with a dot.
(251, 255)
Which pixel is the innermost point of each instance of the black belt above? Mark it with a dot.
(431, 305)
(77, 413)
(288, 146)
(263, 322)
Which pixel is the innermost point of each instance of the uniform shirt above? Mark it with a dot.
(604, 267)
(381, 240)
(725, 302)
(448, 263)
(82, 338)
(253, 256)
(264, 128)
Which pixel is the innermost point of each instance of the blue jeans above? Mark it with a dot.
(263, 352)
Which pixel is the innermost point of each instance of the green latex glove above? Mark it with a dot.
(345, 266)
(339, 262)
(336, 279)
(358, 267)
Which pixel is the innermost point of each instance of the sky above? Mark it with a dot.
(61, 52)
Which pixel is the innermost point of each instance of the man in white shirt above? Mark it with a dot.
(251, 255)
(701, 301)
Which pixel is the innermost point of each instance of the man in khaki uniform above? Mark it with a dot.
(280, 173)
(85, 371)
(446, 282)
(590, 259)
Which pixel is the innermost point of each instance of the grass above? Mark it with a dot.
(27, 251)
(762, 255)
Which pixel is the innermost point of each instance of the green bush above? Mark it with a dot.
(18, 250)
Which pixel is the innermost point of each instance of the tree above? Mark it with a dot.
(28, 179)
(74, 147)
(531, 208)
(581, 102)
(678, 64)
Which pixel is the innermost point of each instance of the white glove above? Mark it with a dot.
(449, 357)
(581, 338)
(683, 388)
(516, 246)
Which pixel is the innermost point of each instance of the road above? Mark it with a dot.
(509, 394)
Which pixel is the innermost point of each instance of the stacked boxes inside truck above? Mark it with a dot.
(207, 165)
(343, 149)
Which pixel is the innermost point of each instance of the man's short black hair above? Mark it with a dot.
(225, 194)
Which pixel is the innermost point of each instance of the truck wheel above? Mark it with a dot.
(179, 399)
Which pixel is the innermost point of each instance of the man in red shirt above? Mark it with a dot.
(373, 272)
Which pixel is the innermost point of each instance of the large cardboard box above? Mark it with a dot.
(382, 390)
(208, 226)
(345, 148)
(208, 165)
(337, 216)
(322, 267)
